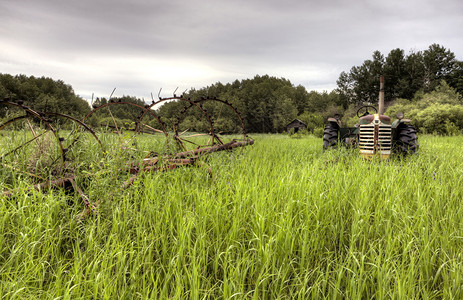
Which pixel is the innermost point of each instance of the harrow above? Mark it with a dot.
(46, 147)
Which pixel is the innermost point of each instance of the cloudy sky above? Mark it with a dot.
(140, 46)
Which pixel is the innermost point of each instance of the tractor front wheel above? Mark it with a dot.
(330, 136)
(407, 141)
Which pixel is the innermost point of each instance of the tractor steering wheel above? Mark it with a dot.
(365, 109)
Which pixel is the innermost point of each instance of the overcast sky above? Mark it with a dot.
(140, 46)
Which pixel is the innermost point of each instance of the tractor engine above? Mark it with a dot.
(375, 136)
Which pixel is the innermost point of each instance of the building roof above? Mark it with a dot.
(296, 121)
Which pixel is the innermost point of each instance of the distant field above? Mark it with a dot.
(276, 220)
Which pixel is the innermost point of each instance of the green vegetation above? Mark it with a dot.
(405, 75)
(42, 94)
(278, 220)
(438, 112)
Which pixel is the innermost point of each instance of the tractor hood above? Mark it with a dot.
(369, 118)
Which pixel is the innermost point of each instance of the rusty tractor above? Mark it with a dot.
(374, 134)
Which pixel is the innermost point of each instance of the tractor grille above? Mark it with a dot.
(375, 138)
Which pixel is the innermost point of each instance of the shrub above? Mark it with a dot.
(439, 112)
(318, 132)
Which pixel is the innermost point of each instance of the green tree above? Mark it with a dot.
(362, 82)
(438, 65)
(405, 75)
(412, 79)
(345, 88)
(42, 94)
(312, 120)
(394, 71)
(455, 79)
(285, 111)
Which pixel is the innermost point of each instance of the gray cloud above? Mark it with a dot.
(140, 46)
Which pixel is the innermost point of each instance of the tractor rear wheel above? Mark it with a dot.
(407, 141)
(330, 136)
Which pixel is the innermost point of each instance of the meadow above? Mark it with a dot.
(275, 220)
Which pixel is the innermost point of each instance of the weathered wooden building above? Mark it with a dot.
(297, 125)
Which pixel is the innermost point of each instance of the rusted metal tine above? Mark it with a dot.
(81, 193)
(32, 130)
(152, 128)
(22, 145)
(183, 139)
(17, 170)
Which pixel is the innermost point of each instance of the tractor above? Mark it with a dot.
(374, 134)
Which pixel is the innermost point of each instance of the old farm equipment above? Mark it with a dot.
(52, 150)
(374, 134)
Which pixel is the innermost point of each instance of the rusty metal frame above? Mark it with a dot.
(31, 113)
(145, 110)
(150, 164)
(175, 128)
(225, 102)
(44, 118)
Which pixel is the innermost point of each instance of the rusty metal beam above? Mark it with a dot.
(217, 148)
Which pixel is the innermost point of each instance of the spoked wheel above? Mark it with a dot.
(123, 121)
(227, 122)
(196, 132)
(33, 145)
(81, 146)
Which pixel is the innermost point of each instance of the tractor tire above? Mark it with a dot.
(330, 136)
(407, 141)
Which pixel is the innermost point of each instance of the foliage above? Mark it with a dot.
(312, 120)
(404, 75)
(266, 104)
(318, 132)
(299, 134)
(441, 119)
(439, 112)
(42, 94)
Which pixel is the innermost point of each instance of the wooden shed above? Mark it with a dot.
(297, 125)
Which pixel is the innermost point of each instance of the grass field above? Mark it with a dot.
(276, 220)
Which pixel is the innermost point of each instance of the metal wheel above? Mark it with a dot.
(184, 138)
(35, 145)
(227, 122)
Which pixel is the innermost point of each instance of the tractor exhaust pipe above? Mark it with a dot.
(381, 95)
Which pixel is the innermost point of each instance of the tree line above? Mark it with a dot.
(405, 75)
(414, 82)
(42, 94)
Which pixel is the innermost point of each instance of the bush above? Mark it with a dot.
(439, 112)
(312, 120)
(441, 119)
(299, 134)
(318, 132)
(451, 128)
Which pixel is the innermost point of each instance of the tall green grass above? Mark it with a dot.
(276, 220)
